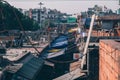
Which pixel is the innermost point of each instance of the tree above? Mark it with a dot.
(9, 21)
(110, 11)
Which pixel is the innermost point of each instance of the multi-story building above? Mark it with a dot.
(39, 15)
(118, 11)
(43, 14)
(95, 10)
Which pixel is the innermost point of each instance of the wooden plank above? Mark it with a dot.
(71, 75)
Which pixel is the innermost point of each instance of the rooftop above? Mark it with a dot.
(112, 43)
(13, 68)
(14, 54)
(110, 17)
(30, 69)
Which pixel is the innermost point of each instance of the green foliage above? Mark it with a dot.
(9, 21)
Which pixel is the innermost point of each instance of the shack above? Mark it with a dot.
(110, 24)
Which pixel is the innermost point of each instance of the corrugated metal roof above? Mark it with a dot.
(31, 68)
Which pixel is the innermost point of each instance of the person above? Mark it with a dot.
(115, 28)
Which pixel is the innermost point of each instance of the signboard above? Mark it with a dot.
(71, 20)
(76, 56)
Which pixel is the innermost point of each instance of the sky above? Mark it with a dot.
(68, 6)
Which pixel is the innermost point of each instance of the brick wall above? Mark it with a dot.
(109, 60)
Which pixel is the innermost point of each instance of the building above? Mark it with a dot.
(109, 60)
(42, 15)
(118, 11)
(95, 10)
(110, 23)
(39, 15)
(24, 71)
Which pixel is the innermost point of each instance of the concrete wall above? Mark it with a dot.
(109, 60)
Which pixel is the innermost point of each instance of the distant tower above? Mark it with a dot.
(119, 2)
(40, 13)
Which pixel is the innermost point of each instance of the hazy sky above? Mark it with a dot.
(69, 6)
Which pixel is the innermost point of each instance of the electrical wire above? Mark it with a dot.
(69, 61)
(1, 11)
(11, 44)
(21, 26)
(56, 61)
(33, 45)
(31, 42)
(36, 48)
(63, 62)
